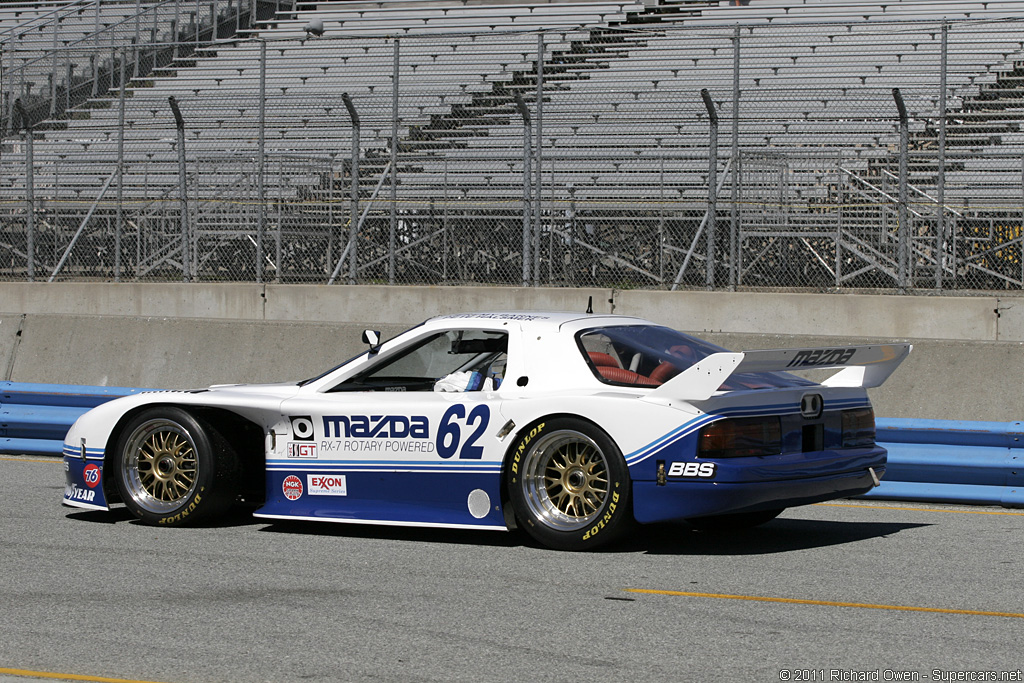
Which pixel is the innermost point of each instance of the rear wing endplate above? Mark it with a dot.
(861, 366)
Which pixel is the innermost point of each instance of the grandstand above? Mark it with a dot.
(604, 181)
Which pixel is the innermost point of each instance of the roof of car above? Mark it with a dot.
(540, 318)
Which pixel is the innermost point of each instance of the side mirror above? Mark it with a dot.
(372, 338)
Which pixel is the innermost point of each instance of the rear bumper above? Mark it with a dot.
(679, 500)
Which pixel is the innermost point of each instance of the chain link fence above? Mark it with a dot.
(701, 154)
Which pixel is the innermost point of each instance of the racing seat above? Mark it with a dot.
(624, 376)
(603, 360)
(666, 371)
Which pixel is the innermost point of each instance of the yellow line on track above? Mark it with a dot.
(906, 509)
(27, 673)
(30, 459)
(827, 603)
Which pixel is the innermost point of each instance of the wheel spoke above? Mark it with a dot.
(160, 463)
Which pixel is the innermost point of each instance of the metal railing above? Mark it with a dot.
(880, 155)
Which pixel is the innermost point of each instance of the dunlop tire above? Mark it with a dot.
(612, 518)
(215, 474)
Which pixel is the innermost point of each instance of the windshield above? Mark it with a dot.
(650, 355)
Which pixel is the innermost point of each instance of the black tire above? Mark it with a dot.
(173, 469)
(569, 485)
(735, 522)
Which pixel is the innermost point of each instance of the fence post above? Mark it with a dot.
(393, 230)
(353, 223)
(186, 256)
(540, 160)
(261, 166)
(940, 222)
(120, 170)
(709, 277)
(527, 135)
(902, 229)
(734, 218)
(30, 194)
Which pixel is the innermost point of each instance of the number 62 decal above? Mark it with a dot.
(449, 434)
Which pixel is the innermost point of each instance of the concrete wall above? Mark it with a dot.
(967, 362)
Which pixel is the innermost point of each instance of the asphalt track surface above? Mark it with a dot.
(848, 591)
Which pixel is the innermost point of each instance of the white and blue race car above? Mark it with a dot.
(569, 426)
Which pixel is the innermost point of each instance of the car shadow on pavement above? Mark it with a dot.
(236, 517)
(777, 536)
(497, 539)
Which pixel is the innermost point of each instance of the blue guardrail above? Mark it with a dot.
(35, 417)
(950, 461)
(929, 460)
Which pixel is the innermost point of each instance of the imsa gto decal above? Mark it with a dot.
(693, 470)
(302, 450)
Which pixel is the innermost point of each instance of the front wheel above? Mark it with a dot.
(173, 469)
(569, 485)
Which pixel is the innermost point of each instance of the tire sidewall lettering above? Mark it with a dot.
(607, 517)
(607, 524)
(193, 504)
(521, 448)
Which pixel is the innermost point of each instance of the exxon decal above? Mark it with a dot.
(376, 426)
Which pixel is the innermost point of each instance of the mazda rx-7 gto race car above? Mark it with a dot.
(570, 426)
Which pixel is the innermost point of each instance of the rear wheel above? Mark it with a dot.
(734, 522)
(173, 469)
(569, 485)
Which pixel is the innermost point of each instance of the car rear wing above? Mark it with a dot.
(861, 366)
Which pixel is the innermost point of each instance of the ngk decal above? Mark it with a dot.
(327, 484)
(292, 487)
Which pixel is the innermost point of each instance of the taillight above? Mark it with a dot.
(858, 428)
(740, 437)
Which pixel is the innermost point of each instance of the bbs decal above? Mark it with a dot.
(692, 470)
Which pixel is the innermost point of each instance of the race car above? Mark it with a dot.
(570, 426)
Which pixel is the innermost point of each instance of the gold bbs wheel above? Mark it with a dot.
(159, 465)
(566, 480)
(174, 468)
(569, 484)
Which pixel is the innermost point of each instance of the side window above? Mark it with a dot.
(456, 360)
